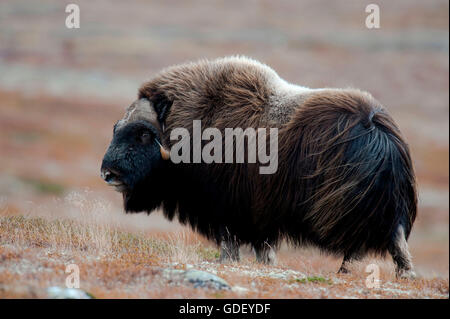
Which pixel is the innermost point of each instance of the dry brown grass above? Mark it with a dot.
(116, 263)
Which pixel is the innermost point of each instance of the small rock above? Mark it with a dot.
(240, 290)
(198, 278)
(67, 293)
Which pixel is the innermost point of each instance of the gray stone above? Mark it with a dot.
(197, 278)
(67, 293)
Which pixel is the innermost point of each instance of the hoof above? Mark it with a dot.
(228, 260)
(406, 274)
(267, 257)
(343, 270)
(270, 260)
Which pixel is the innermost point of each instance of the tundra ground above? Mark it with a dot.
(117, 260)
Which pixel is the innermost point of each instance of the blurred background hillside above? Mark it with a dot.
(61, 90)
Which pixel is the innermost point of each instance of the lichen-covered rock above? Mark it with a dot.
(198, 278)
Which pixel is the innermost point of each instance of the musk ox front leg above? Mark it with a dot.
(401, 256)
(229, 247)
(265, 253)
(229, 251)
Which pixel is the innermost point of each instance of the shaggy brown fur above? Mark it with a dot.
(345, 180)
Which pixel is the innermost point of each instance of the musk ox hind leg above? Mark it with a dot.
(265, 253)
(345, 264)
(401, 256)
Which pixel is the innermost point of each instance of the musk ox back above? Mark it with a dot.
(344, 180)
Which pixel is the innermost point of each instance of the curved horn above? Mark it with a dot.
(140, 109)
(165, 154)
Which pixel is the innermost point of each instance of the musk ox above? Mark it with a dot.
(344, 182)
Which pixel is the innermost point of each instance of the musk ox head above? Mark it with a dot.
(135, 160)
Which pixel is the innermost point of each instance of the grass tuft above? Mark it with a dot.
(314, 279)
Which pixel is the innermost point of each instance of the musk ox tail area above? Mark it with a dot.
(355, 173)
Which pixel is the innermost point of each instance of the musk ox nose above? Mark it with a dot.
(111, 176)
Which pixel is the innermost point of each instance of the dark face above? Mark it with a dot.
(133, 165)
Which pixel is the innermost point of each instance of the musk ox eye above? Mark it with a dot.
(145, 137)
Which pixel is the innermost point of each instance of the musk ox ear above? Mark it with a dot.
(162, 106)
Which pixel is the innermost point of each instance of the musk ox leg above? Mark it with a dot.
(265, 254)
(229, 248)
(344, 266)
(401, 256)
(229, 251)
